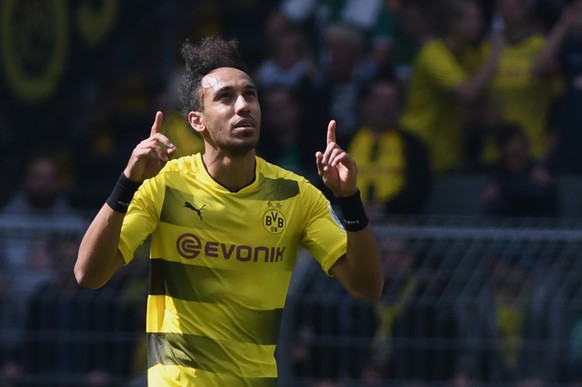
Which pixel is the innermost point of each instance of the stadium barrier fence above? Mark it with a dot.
(494, 302)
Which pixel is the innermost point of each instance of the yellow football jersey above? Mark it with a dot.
(431, 111)
(381, 164)
(221, 263)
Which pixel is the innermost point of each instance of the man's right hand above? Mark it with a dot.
(150, 155)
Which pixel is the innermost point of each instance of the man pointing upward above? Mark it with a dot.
(219, 281)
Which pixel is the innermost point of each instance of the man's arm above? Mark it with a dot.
(359, 271)
(98, 258)
(547, 54)
(473, 86)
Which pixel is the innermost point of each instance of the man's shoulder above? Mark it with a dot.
(188, 163)
(183, 165)
(434, 47)
(273, 172)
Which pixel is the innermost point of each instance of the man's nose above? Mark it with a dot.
(242, 105)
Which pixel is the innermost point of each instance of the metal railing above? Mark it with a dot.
(491, 302)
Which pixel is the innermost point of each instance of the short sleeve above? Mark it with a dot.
(324, 237)
(141, 218)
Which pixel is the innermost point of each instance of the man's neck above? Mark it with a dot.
(233, 173)
(454, 44)
(516, 35)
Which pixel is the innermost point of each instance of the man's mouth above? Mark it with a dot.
(245, 124)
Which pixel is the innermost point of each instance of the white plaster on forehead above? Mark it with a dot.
(224, 76)
(209, 81)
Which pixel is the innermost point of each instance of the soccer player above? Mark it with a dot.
(226, 226)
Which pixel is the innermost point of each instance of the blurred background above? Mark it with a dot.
(463, 117)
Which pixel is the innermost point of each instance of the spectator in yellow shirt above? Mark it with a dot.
(447, 76)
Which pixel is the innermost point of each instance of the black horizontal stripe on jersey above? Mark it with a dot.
(200, 353)
(174, 212)
(196, 284)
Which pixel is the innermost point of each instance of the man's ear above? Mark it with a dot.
(196, 121)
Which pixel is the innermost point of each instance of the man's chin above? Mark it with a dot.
(240, 149)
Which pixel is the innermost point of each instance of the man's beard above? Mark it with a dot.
(237, 150)
(234, 148)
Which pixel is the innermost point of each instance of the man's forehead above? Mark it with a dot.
(225, 77)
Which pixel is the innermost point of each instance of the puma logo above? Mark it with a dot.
(196, 210)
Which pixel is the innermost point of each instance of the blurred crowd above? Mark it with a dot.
(419, 89)
(465, 312)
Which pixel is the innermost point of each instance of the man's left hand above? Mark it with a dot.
(336, 167)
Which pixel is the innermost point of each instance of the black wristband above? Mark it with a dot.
(355, 218)
(122, 194)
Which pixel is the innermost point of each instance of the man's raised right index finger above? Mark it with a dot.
(157, 125)
(331, 131)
